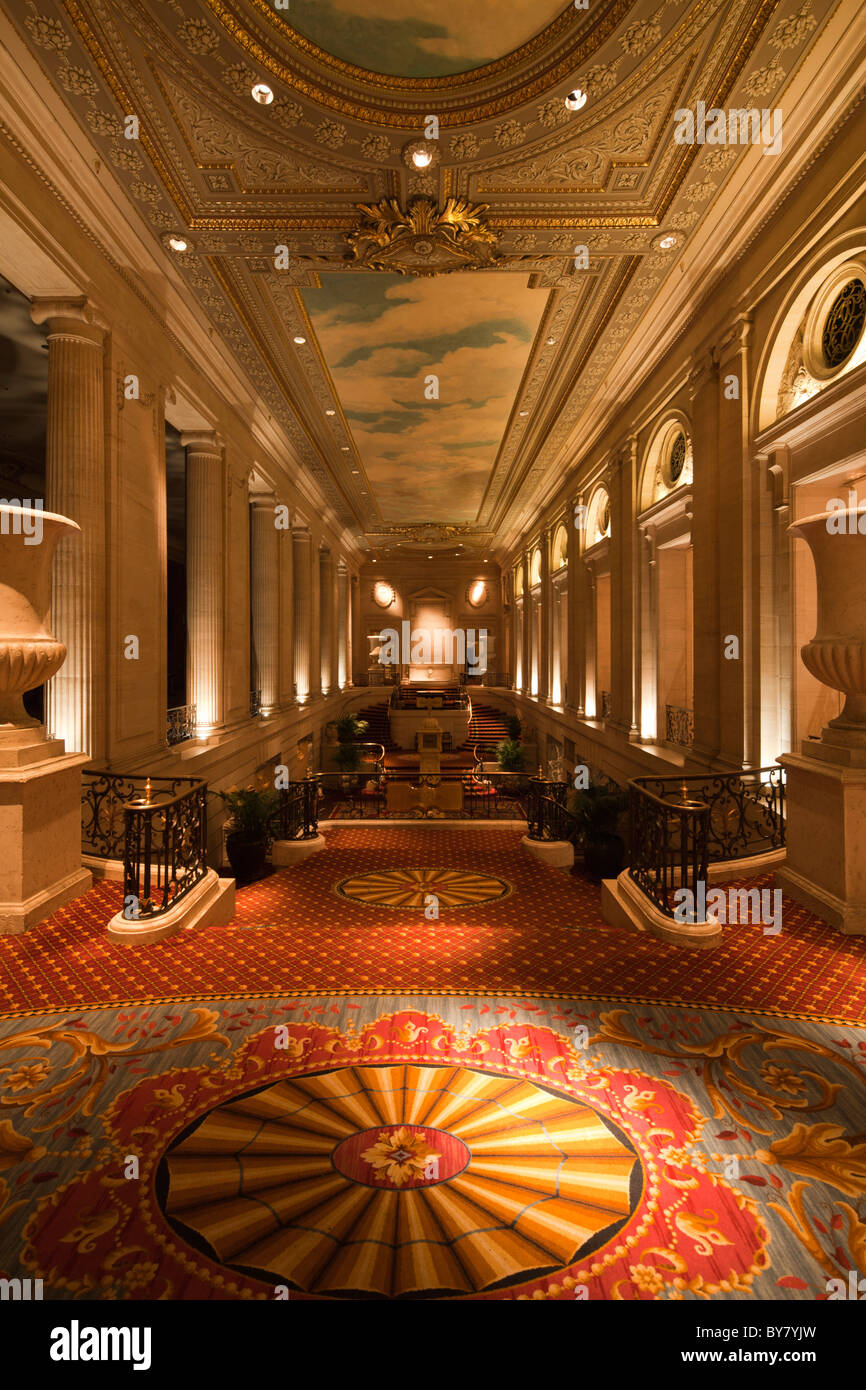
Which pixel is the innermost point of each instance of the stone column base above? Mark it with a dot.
(624, 905)
(825, 866)
(210, 904)
(284, 853)
(558, 853)
(40, 838)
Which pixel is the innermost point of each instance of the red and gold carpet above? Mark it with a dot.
(352, 920)
(461, 1150)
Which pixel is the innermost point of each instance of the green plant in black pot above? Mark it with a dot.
(349, 727)
(510, 755)
(248, 840)
(513, 726)
(597, 810)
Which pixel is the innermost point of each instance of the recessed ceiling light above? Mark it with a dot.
(262, 93)
(421, 158)
(178, 243)
(576, 99)
(299, 339)
(524, 412)
(429, 557)
(344, 448)
(550, 342)
(665, 241)
(330, 412)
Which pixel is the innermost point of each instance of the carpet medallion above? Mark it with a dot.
(414, 888)
(361, 1149)
(294, 932)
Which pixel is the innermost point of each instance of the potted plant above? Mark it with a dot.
(248, 840)
(513, 727)
(349, 728)
(597, 810)
(510, 755)
(348, 759)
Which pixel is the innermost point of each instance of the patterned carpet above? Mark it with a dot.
(294, 933)
(457, 1149)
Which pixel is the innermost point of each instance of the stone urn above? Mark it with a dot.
(28, 652)
(836, 655)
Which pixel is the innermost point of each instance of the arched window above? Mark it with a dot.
(560, 548)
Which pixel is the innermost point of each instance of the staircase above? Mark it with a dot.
(379, 730)
(486, 726)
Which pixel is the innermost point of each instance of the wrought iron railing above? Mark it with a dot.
(548, 815)
(605, 704)
(103, 798)
(668, 845)
(411, 794)
(296, 816)
(180, 724)
(679, 726)
(165, 848)
(746, 809)
(255, 703)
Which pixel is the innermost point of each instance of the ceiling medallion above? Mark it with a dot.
(423, 240)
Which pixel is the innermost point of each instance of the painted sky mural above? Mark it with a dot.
(420, 38)
(382, 336)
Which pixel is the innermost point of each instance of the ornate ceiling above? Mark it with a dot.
(519, 348)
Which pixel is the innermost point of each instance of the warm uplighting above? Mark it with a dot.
(477, 593)
(262, 93)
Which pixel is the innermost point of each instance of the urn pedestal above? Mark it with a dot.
(40, 785)
(825, 865)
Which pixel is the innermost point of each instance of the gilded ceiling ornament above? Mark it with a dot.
(423, 240)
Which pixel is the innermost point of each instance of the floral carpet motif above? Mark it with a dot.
(479, 1149)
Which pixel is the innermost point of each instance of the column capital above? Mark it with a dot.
(262, 500)
(202, 442)
(78, 317)
(734, 336)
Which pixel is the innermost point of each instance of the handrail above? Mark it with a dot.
(746, 809)
(103, 797)
(165, 849)
(296, 816)
(668, 844)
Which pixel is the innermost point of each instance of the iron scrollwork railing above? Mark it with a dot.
(679, 726)
(668, 845)
(746, 809)
(180, 724)
(255, 703)
(605, 704)
(165, 848)
(548, 815)
(296, 816)
(103, 798)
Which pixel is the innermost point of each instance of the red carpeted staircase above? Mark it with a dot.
(486, 726)
(379, 730)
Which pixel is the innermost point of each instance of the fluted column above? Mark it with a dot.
(75, 487)
(343, 660)
(545, 644)
(286, 642)
(526, 634)
(265, 600)
(205, 503)
(358, 650)
(326, 620)
(303, 614)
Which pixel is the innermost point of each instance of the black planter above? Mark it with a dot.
(603, 856)
(247, 857)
